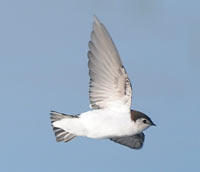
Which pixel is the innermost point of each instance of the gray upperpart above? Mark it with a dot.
(137, 115)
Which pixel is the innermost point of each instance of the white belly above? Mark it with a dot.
(106, 124)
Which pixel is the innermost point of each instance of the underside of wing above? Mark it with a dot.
(109, 81)
(134, 142)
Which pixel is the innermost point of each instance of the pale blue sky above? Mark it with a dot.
(43, 67)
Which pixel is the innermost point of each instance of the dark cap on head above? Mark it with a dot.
(137, 115)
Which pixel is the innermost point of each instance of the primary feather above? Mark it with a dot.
(109, 81)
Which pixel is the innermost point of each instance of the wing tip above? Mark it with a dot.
(96, 20)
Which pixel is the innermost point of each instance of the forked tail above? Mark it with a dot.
(61, 135)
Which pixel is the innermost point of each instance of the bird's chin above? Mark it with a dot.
(146, 127)
(140, 130)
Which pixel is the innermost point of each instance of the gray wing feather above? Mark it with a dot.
(108, 78)
(134, 142)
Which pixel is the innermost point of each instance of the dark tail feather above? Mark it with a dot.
(61, 135)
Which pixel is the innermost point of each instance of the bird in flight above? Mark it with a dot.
(110, 94)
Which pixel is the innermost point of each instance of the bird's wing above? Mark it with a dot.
(109, 81)
(134, 142)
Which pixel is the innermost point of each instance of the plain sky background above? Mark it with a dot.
(43, 67)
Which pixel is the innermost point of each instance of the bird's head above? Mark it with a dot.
(142, 121)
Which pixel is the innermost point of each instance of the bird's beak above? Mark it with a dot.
(153, 124)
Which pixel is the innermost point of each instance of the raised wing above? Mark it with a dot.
(109, 82)
(134, 142)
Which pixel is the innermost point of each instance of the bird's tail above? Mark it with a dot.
(61, 135)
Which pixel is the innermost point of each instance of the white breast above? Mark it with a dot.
(107, 123)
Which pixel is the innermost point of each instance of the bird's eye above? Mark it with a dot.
(144, 121)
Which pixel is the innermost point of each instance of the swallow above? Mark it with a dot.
(110, 94)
